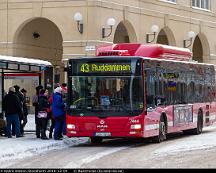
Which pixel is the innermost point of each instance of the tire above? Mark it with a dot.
(199, 128)
(96, 140)
(162, 131)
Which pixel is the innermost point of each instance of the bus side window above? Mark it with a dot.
(150, 87)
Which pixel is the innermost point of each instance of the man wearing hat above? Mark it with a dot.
(58, 109)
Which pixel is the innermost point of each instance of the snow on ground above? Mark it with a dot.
(204, 141)
(18, 148)
(14, 148)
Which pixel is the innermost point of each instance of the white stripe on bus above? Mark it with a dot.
(152, 127)
(156, 126)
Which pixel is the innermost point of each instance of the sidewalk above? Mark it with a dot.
(14, 149)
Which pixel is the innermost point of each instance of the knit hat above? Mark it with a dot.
(16, 88)
(58, 90)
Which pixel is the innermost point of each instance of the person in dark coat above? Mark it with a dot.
(12, 108)
(51, 117)
(35, 104)
(21, 99)
(58, 110)
(21, 116)
(43, 106)
(25, 112)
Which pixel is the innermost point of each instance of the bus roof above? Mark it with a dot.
(145, 50)
(185, 62)
(137, 57)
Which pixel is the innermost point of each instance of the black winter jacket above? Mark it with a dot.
(43, 103)
(11, 104)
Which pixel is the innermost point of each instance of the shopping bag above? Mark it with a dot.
(42, 114)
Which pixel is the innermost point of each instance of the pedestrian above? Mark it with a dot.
(43, 106)
(58, 110)
(21, 99)
(51, 117)
(64, 97)
(12, 108)
(25, 112)
(35, 104)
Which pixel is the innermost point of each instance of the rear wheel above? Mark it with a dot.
(199, 128)
(96, 140)
(162, 131)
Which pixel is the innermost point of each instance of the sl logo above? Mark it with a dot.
(102, 121)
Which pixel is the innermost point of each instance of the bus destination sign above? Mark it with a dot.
(104, 67)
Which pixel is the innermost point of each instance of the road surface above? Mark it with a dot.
(179, 151)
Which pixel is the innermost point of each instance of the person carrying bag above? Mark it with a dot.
(43, 106)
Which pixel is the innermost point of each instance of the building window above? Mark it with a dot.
(203, 4)
(171, 1)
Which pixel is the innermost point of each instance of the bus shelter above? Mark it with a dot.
(24, 72)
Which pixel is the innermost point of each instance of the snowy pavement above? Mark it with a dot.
(14, 149)
(206, 140)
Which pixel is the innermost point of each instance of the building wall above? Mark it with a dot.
(59, 38)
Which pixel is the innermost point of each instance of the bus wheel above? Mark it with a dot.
(162, 131)
(96, 140)
(199, 128)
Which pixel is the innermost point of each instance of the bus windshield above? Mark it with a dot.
(106, 96)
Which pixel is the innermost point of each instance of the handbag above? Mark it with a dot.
(42, 114)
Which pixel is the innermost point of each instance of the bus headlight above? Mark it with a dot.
(136, 126)
(70, 126)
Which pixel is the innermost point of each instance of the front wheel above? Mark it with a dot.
(162, 131)
(96, 140)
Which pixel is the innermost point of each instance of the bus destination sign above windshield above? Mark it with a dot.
(104, 68)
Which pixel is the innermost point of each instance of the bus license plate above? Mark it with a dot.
(102, 134)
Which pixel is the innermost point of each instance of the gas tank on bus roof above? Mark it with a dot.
(145, 50)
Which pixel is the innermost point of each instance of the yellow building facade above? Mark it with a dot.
(50, 30)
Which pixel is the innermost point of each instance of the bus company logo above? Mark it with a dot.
(102, 125)
(102, 122)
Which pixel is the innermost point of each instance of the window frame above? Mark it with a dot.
(201, 4)
(170, 1)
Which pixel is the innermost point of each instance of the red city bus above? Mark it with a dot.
(139, 91)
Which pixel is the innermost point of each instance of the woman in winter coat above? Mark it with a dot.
(58, 110)
(35, 104)
(43, 106)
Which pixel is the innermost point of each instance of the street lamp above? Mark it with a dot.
(191, 36)
(110, 23)
(154, 30)
(79, 19)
